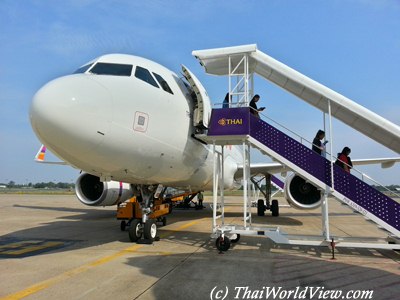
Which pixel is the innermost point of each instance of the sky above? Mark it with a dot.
(352, 47)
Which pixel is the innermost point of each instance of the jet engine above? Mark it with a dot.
(301, 194)
(91, 191)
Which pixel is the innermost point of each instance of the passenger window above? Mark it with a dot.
(112, 69)
(145, 75)
(163, 83)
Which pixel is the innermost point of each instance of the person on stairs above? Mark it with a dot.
(317, 145)
(344, 160)
(253, 106)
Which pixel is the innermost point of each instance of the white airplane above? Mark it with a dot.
(129, 124)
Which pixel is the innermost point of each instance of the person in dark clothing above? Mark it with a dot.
(254, 110)
(317, 145)
(225, 104)
(344, 160)
(200, 199)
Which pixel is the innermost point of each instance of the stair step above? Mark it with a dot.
(309, 164)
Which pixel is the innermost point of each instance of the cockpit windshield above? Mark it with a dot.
(83, 69)
(111, 69)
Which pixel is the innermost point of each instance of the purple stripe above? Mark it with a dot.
(277, 181)
(119, 193)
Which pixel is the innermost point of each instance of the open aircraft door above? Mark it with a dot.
(202, 111)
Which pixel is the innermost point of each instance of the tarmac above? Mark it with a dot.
(53, 247)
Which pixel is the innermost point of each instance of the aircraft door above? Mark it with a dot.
(202, 111)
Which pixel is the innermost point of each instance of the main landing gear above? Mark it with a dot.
(263, 205)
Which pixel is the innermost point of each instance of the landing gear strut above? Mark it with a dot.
(141, 214)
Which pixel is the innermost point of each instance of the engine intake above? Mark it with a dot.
(91, 191)
(301, 194)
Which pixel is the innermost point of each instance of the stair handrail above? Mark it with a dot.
(363, 175)
(302, 140)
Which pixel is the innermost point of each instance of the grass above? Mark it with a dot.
(20, 191)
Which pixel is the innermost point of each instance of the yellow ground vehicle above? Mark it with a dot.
(184, 200)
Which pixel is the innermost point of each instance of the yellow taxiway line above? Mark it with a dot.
(68, 274)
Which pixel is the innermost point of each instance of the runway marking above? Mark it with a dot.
(181, 227)
(24, 248)
(68, 274)
(161, 253)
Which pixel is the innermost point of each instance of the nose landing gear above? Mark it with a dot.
(140, 220)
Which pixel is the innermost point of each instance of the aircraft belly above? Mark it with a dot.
(142, 159)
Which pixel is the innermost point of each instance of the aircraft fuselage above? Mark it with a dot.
(114, 122)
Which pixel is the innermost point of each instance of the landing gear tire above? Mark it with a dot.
(122, 226)
(223, 243)
(135, 230)
(275, 208)
(235, 240)
(260, 207)
(150, 230)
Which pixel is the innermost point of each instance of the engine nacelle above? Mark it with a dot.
(301, 194)
(91, 191)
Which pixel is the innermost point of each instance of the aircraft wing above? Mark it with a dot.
(261, 168)
(41, 155)
(385, 162)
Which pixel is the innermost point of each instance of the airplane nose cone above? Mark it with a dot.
(71, 114)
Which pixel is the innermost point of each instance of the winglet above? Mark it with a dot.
(41, 153)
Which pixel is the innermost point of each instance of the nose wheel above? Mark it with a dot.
(150, 230)
(135, 230)
(140, 232)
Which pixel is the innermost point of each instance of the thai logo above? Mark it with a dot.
(224, 122)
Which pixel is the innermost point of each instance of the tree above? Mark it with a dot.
(11, 184)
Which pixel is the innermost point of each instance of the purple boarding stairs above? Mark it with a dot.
(239, 124)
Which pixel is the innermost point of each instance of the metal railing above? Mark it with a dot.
(358, 173)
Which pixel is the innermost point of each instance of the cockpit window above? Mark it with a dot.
(145, 75)
(83, 69)
(112, 69)
(163, 83)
